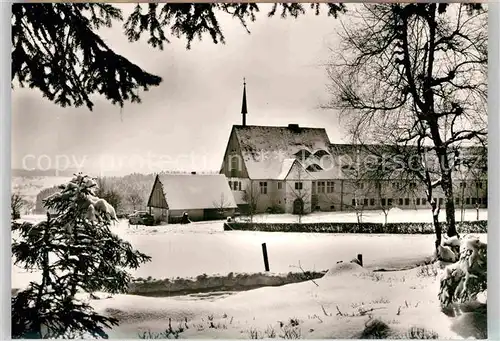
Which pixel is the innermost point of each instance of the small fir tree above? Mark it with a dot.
(76, 253)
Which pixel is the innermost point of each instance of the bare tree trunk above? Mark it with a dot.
(435, 220)
(449, 205)
(462, 208)
(477, 202)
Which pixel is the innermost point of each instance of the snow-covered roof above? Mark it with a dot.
(196, 191)
(286, 165)
(269, 151)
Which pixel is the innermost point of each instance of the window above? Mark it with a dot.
(372, 202)
(463, 184)
(236, 186)
(479, 184)
(330, 185)
(332, 207)
(235, 166)
(353, 202)
(382, 201)
(407, 201)
(317, 208)
(457, 201)
(280, 185)
(467, 201)
(313, 187)
(361, 185)
(365, 202)
(263, 187)
(424, 201)
(441, 201)
(321, 187)
(298, 186)
(479, 201)
(389, 202)
(418, 202)
(400, 201)
(474, 200)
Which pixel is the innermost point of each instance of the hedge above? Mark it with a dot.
(479, 226)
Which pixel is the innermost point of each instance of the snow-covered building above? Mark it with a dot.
(297, 169)
(201, 196)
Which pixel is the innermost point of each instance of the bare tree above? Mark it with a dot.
(383, 200)
(28, 206)
(415, 75)
(221, 205)
(135, 200)
(354, 170)
(251, 196)
(17, 203)
(300, 194)
(471, 169)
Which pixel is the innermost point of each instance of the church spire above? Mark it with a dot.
(244, 110)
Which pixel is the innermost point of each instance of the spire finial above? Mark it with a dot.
(244, 104)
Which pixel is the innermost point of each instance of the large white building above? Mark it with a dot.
(295, 169)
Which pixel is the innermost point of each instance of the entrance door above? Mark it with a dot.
(298, 206)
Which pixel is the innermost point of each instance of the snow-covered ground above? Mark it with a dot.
(205, 248)
(338, 305)
(396, 215)
(402, 299)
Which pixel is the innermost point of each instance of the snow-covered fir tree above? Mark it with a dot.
(76, 253)
(465, 276)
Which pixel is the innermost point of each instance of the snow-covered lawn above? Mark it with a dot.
(338, 305)
(395, 215)
(402, 299)
(205, 248)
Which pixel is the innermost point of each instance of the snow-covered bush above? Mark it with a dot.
(466, 277)
(76, 252)
(351, 227)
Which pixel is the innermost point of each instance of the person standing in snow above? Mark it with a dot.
(185, 218)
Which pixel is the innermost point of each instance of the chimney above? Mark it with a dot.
(193, 173)
(294, 127)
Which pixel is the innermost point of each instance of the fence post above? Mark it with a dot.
(264, 253)
(360, 259)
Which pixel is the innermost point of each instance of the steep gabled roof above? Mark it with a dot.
(286, 166)
(196, 191)
(265, 148)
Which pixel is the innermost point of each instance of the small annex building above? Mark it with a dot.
(201, 196)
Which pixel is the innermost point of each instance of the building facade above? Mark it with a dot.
(298, 170)
(202, 197)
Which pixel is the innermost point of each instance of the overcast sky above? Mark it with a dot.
(186, 120)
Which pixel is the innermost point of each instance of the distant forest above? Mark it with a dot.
(126, 193)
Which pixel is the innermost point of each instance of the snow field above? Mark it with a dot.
(339, 305)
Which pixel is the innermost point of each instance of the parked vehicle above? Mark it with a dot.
(141, 218)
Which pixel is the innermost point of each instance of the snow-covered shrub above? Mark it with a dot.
(75, 252)
(348, 227)
(464, 279)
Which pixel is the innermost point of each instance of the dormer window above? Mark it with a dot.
(314, 168)
(303, 154)
(320, 153)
